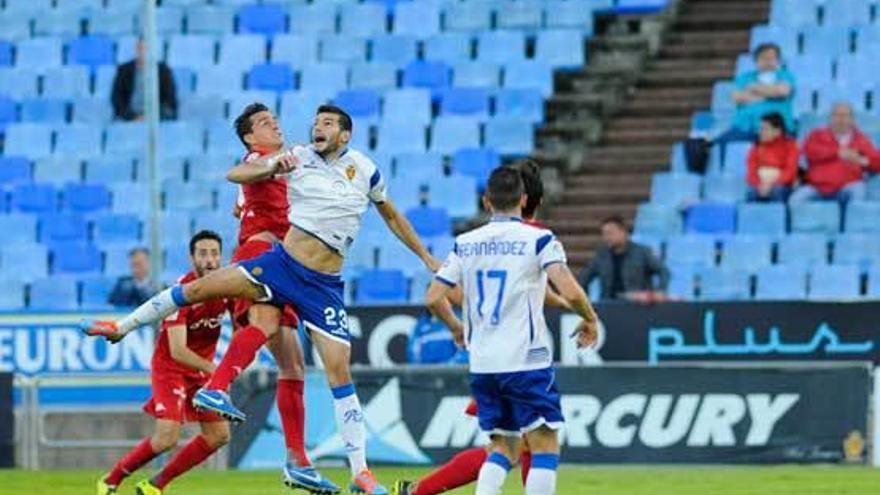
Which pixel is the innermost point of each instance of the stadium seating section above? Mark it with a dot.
(441, 91)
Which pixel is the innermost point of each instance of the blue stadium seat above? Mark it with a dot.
(242, 51)
(477, 163)
(675, 189)
(434, 76)
(96, 292)
(520, 103)
(131, 198)
(450, 133)
(203, 108)
(747, 253)
(787, 39)
(114, 229)
(184, 82)
(18, 228)
(560, 48)
(826, 40)
(874, 283)
(501, 47)
(457, 193)
(419, 167)
(569, 14)
(298, 51)
(520, 15)
(126, 137)
(417, 19)
(863, 216)
(381, 287)
(54, 23)
(400, 136)
(221, 222)
(66, 82)
(530, 74)
(639, 7)
(193, 51)
(378, 76)
(722, 96)
(63, 227)
(362, 20)
(793, 13)
(177, 261)
(394, 49)
(476, 75)
(16, 26)
(862, 250)
(49, 110)
(169, 21)
(429, 221)
(395, 256)
(12, 295)
(34, 198)
(90, 51)
(510, 136)
(815, 216)
(105, 75)
(834, 282)
(108, 169)
(658, 220)
(448, 47)
(112, 21)
(736, 158)
(18, 83)
(711, 218)
(116, 259)
(682, 283)
(272, 77)
(54, 294)
(76, 258)
(78, 141)
(181, 196)
(780, 283)
(212, 20)
(236, 102)
(8, 112)
(804, 250)
(85, 198)
(57, 170)
(815, 69)
(325, 79)
(696, 251)
(362, 105)
(31, 261)
(724, 188)
(764, 219)
(466, 102)
(313, 19)
(29, 139)
(14, 170)
(722, 284)
(216, 80)
(212, 168)
(874, 188)
(176, 228)
(408, 105)
(297, 130)
(468, 16)
(300, 106)
(266, 19)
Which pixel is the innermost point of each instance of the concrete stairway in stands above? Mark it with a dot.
(699, 47)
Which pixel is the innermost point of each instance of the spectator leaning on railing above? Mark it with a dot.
(838, 157)
(772, 161)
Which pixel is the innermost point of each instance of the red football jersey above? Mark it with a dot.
(534, 223)
(264, 205)
(202, 331)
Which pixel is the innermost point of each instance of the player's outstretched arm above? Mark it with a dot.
(263, 168)
(183, 354)
(573, 294)
(438, 304)
(404, 231)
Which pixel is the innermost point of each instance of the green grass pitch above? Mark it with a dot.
(628, 480)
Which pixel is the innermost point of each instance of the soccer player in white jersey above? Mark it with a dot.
(502, 269)
(330, 187)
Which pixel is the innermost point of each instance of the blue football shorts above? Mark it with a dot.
(511, 404)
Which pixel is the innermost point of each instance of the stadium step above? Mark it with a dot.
(591, 195)
(700, 51)
(609, 181)
(660, 135)
(652, 123)
(688, 64)
(683, 106)
(702, 77)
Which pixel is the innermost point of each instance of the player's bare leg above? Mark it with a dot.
(544, 445)
(336, 356)
(215, 434)
(164, 437)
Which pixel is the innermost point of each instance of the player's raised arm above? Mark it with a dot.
(438, 304)
(181, 353)
(404, 231)
(263, 167)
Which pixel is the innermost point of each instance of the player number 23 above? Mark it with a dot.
(332, 317)
(482, 277)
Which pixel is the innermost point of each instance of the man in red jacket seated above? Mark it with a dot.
(772, 162)
(838, 157)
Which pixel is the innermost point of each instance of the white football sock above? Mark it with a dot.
(154, 310)
(492, 475)
(350, 421)
(542, 477)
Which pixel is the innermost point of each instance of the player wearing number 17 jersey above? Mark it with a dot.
(503, 269)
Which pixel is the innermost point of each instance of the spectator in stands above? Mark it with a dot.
(838, 156)
(625, 269)
(128, 89)
(769, 88)
(772, 162)
(135, 289)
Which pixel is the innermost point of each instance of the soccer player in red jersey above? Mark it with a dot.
(182, 362)
(263, 210)
(464, 467)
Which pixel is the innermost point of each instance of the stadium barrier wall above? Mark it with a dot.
(711, 413)
(7, 422)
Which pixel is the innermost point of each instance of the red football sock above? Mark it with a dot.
(190, 456)
(289, 395)
(525, 463)
(242, 349)
(132, 461)
(459, 471)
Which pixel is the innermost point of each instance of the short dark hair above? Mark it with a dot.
(532, 184)
(243, 124)
(203, 235)
(505, 188)
(139, 250)
(344, 118)
(763, 47)
(614, 219)
(775, 119)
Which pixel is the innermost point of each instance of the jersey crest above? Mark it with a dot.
(350, 172)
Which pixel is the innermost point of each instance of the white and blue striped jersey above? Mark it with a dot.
(328, 199)
(501, 270)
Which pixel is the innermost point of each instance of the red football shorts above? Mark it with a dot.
(173, 392)
(248, 251)
(471, 409)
